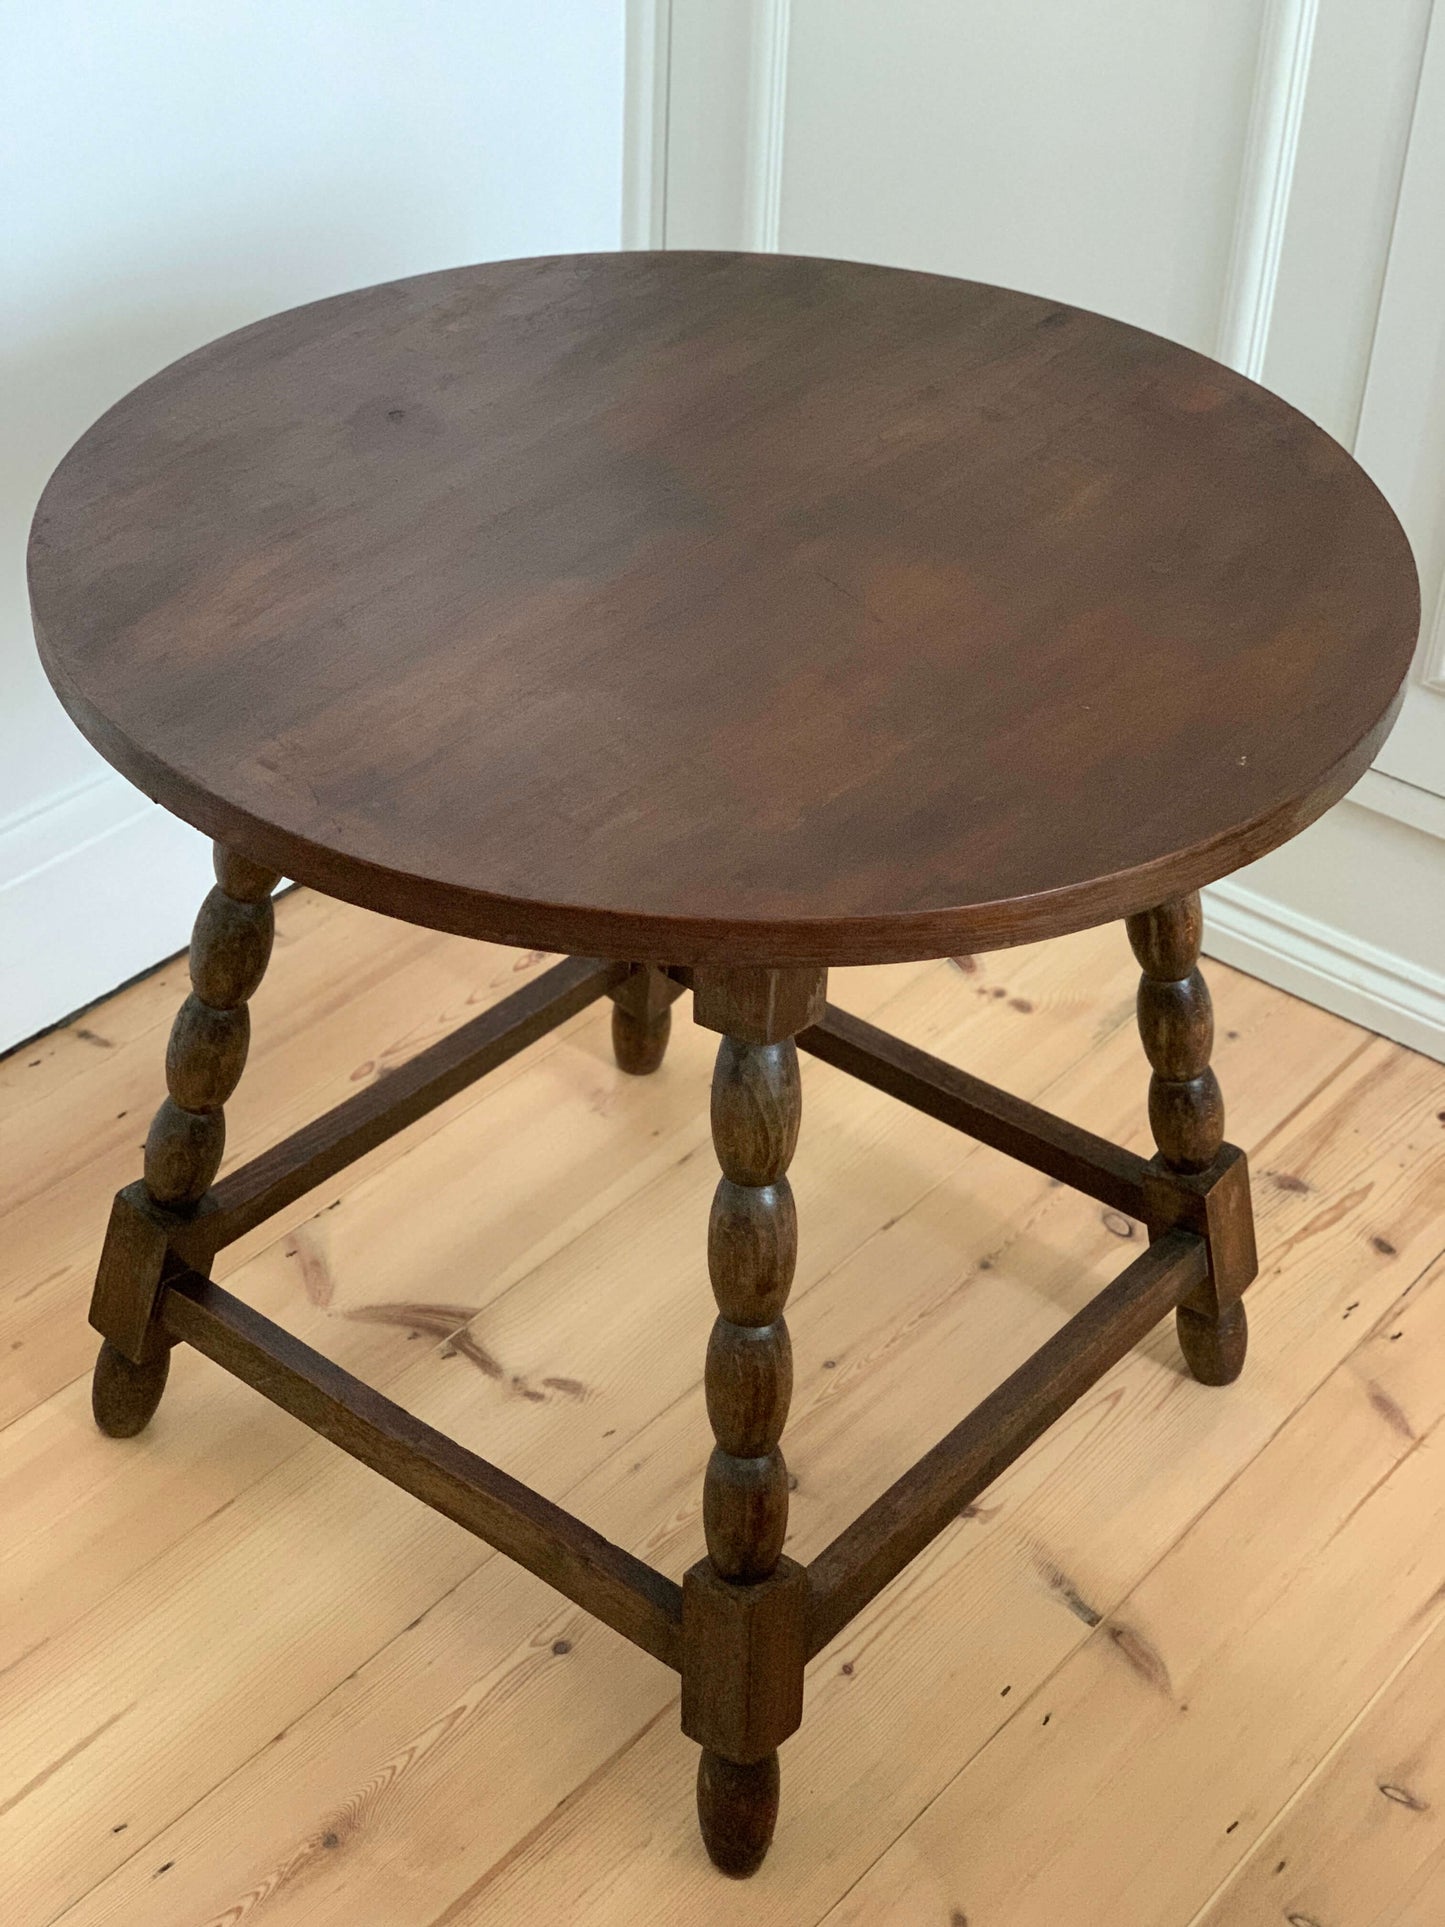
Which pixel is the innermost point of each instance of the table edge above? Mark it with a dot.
(637, 936)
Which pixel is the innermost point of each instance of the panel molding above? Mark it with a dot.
(767, 112)
(1403, 408)
(1326, 965)
(1432, 669)
(645, 101)
(727, 86)
(1287, 38)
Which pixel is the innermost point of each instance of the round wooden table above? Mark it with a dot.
(713, 619)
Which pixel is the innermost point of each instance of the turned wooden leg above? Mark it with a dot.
(743, 1606)
(230, 947)
(1186, 1113)
(642, 1000)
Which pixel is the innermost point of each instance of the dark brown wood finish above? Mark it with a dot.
(743, 1609)
(1176, 1024)
(124, 1396)
(748, 1796)
(723, 607)
(1186, 1114)
(642, 1000)
(230, 948)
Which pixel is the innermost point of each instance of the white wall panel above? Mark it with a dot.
(1358, 102)
(1091, 153)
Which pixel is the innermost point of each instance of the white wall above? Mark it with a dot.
(170, 169)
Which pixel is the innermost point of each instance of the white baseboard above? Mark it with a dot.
(1327, 966)
(95, 885)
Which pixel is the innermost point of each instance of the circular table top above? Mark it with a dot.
(717, 607)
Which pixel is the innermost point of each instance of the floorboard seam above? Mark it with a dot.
(1111, 1611)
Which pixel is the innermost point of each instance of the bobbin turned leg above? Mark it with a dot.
(743, 1606)
(230, 947)
(1186, 1114)
(642, 999)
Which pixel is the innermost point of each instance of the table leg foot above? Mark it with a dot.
(639, 1045)
(642, 1019)
(1214, 1348)
(737, 1810)
(124, 1396)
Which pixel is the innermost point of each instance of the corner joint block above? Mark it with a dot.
(743, 1650)
(1214, 1203)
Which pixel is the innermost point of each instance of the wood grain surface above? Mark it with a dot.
(708, 607)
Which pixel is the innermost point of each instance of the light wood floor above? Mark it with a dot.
(1184, 1664)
